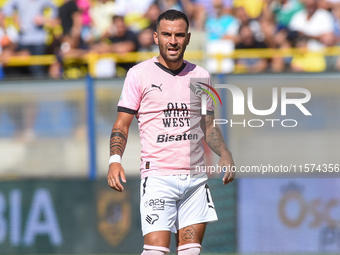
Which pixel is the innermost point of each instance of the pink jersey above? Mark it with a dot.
(168, 111)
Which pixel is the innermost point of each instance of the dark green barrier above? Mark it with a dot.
(80, 216)
(220, 236)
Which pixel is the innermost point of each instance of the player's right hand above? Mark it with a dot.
(116, 171)
(227, 161)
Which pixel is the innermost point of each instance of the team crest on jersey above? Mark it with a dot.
(113, 216)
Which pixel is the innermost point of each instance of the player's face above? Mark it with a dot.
(172, 38)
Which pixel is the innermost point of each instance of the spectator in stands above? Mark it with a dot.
(172, 4)
(268, 27)
(152, 14)
(146, 41)
(307, 61)
(121, 41)
(330, 39)
(84, 9)
(255, 26)
(70, 19)
(336, 15)
(314, 23)
(101, 13)
(284, 10)
(283, 39)
(133, 12)
(328, 4)
(68, 48)
(9, 37)
(201, 9)
(195, 12)
(71, 22)
(275, 20)
(254, 8)
(146, 44)
(248, 41)
(192, 8)
(209, 7)
(31, 22)
(221, 25)
(126, 7)
(221, 32)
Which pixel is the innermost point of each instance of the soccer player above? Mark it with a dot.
(158, 91)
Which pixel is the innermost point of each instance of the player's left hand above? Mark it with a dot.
(227, 164)
(116, 172)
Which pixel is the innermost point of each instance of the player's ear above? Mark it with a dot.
(189, 35)
(155, 37)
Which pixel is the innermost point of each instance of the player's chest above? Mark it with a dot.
(167, 92)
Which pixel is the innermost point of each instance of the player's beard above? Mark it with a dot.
(166, 55)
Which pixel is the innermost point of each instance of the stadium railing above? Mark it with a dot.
(91, 58)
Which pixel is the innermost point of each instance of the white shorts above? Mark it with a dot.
(173, 202)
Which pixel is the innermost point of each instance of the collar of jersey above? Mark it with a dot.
(175, 72)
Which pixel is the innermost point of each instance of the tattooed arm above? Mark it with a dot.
(214, 138)
(118, 141)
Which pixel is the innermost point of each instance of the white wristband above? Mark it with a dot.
(115, 159)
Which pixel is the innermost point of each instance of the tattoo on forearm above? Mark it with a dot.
(209, 119)
(189, 234)
(214, 137)
(215, 141)
(117, 142)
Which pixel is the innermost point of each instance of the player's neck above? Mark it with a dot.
(173, 66)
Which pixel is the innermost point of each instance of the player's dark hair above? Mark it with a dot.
(172, 15)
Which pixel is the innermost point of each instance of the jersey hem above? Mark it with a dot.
(162, 173)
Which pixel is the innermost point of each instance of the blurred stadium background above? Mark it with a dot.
(55, 124)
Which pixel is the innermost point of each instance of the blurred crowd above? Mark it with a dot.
(74, 28)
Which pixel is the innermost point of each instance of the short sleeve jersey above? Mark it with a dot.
(167, 106)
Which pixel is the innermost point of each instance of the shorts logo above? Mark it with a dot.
(152, 218)
(156, 204)
(209, 200)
